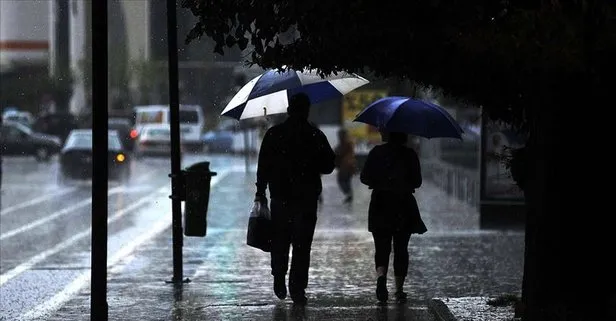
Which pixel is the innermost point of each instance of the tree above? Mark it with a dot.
(151, 80)
(118, 77)
(533, 64)
(25, 86)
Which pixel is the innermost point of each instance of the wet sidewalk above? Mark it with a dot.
(231, 281)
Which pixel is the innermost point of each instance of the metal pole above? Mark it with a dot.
(98, 303)
(176, 160)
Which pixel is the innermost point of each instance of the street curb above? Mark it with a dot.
(476, 308)
(440, 310)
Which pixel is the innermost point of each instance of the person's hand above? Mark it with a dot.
(261, 199)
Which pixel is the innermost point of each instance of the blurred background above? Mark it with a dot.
(45, 60)
(46, 143)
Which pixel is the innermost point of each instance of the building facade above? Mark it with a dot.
(24, 33)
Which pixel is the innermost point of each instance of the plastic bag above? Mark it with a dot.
(259, 233)
(260, 210)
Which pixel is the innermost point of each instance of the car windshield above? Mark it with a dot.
(150, 117)
(79, 141)
(17, 118)
(84, 140)
(114, 142)
(21, 127)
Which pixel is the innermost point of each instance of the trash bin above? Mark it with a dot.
(196, 179)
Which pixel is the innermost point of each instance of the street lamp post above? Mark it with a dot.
(176, 160)
(98, 292)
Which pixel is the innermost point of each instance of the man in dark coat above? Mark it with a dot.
(293, 156)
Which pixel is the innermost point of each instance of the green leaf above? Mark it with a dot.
(230, 41)
(242, 43)
(218, 48)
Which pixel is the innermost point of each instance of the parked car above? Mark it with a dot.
(153, 140)
(17, 139)
(218, 141)
(128, 134)
(76, 157)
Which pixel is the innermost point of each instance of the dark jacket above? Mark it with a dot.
(345, 159)
(292, 157)
(393, 173)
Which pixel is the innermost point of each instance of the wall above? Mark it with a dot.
(80, 29)
(24, 32)
(138, 28)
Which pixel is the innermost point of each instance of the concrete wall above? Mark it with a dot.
(24, 32)
(137, 14)
(80, 29)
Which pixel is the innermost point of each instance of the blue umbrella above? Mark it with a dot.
(411, 116)
(269, 92)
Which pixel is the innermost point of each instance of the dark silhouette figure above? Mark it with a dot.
(393, 172)
(293, 156)
(346, 164)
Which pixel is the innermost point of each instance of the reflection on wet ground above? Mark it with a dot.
(45, 227)
(229, 280)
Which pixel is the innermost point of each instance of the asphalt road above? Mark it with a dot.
(45, 226)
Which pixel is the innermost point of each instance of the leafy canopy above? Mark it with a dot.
(505, 55)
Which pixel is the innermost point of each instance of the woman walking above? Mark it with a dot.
(393, 172)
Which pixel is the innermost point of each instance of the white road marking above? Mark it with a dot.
(55, 194)
(54, 215)
(82, 280)
(60, 246)
(37, 200)
(77, 284)
(64, 211)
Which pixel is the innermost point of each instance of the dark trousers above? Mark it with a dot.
(382, 245)
(293, 224)
(344, 182)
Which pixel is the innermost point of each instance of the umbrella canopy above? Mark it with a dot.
(411, 116)
(269, 93)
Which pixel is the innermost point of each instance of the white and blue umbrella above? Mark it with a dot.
(269, 93)
(411, 116)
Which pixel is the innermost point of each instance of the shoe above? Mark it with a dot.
(381, 289)
(400, 297)
(299, 299)
(280, 288)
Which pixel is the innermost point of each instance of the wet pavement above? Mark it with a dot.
(471, 308)
(45, 226)
(231, 281)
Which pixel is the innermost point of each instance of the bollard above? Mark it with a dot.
(196, 180)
